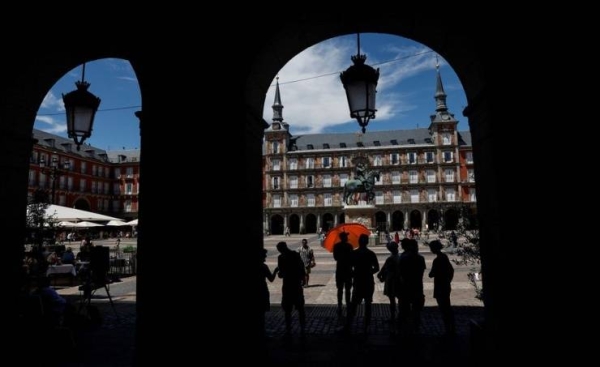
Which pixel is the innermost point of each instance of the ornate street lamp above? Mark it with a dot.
(81, 107)
(54, 171)
(360, 83)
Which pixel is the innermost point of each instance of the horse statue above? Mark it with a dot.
(357, 186)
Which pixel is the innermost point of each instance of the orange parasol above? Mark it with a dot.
(354, 230)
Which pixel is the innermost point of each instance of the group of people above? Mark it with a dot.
(402, 275)
(294, 268)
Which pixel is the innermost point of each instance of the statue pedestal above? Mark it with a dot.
(362, 214)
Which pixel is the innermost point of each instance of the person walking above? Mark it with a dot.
(442, 273)
(308, 258)
(364, 265)
(291, 269)
(342, 254)
(412, 298)
(390, 275)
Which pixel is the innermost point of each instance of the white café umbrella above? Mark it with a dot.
(116, 223)
(132, 223)
(63, 213)
(86, 224)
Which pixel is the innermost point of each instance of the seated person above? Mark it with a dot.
(54, 304)
(68, 257)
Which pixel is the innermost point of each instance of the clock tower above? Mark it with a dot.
(443, 124)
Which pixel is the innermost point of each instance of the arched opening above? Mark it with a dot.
(327, 222)
(397, 221)
(381, 221)
(433, 218)
(277, 225)
(310, 224)
(415, 219)
(450, 219)
(294, 223)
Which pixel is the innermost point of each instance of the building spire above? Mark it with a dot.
(277, 106)
(440, 95)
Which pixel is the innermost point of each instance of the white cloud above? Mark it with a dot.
(128, 78)
(54, 126)
(312, 93)
(50, 101)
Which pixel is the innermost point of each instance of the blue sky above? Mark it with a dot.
(115, 83)
(314, 99)
(311, 91)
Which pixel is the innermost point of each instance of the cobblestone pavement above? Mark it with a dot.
(113, 343)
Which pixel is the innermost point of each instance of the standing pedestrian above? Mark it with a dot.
(291, 270)
(442, 273)
(308, 258)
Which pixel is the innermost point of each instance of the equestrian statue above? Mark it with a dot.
(364, 182)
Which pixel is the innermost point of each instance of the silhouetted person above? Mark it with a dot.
(291, 269)
(390, 275)
(265, 296)
(412, 299)
(342, 253)
(308, 257)
(442, 273)
(364, 265)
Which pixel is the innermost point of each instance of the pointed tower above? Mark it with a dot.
(443, 124)
(277, 105)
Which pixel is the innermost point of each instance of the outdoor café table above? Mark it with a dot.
(56, 270)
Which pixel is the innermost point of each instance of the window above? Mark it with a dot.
(397, 196)
(449, 173)
(83, 167)
(395, 158)
(377, 143)
(275, 183)
(31, 178)
(472, 195)
(471, 175)
(326, 162)
(450, 195)
(414, 196)
(94, 170)
(293, 182)
(82, 184)
(431, 195)
(310, 181)
(343, 179)
(310, 163)
(394, 142)
(293, 163)
(129, 172)
(129, 188)
(342, 145)
(276, 164)
(327, 199)
(310, 147)
(428, 141)
(396, 177)
(430, 157)
(378, 197)
(377, 160)
(446, 140)
(412, 158)
(94, 187)
(411, 141)
(326, 180)
(360, 144)
(326, 146)
(275, 147)
(117, 189)
(448, 156)
(430, 176)
(310, 199)
(343, 162)
(276, 201)
(294, 200)
(413, 177)
(469, 157)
